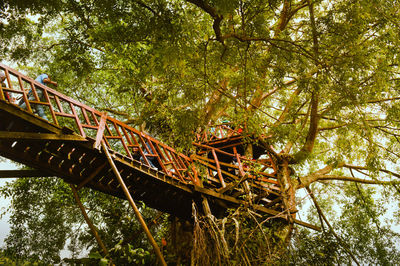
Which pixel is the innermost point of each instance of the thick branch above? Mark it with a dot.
(354, 179)
(214, 100)
(283, 18)
(307, 180)
(290, 144)
(314, 30)
(287, 190)
(314, 118)
(322, 174)
(287, 107)
(213, 13)
(261, 96)
(365, 168)
(384, 100)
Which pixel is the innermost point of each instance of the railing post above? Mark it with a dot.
(221, 178)
(100, 130)
(133, 205)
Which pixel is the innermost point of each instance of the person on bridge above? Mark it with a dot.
(43, 79)
(3, 85)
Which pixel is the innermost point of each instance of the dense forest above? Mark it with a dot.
(320, 78)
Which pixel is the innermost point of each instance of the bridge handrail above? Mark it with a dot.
(89, 122)
(219, 131)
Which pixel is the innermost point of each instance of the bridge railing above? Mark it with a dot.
(220, 131)
(230, 167)
(88, 122)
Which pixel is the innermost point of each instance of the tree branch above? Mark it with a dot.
(213, 13)
(384, 100)
(329, 225)
(355, 167)
(354, 179)
(307, 180)
(287, 107)
(314, 119)
(322, 174)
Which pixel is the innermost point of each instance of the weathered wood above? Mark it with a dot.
(100, 131)
(93, 175)
(206, 206)
(87, 219)
(218, 167)
(230, 186)
(133, 205)
(273, 202)
(39, 136)
(21, 114)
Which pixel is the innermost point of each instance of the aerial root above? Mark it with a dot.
(241, 238)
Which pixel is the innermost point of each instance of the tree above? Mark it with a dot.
(320, 79)
(45, 219)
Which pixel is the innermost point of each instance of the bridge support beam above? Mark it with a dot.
(133, 205)
(90, 224)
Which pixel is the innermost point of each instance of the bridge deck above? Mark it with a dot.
(67, 146)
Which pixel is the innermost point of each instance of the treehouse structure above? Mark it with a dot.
(77, 142)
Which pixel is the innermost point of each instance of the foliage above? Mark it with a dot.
(6, 260)
(44, 215)
(319, 78)
(360, 226)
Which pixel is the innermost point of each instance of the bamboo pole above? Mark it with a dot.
(90, 224)
(133, 205)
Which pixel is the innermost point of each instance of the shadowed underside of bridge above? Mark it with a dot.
(67, 145)
(29, 140)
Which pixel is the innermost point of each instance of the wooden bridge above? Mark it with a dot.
(69, 145)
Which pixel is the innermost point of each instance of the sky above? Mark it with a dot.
(4, 203)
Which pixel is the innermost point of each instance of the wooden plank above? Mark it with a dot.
(92, 175)
(239, 167)
(228, 187)
(273, 202)
(46, 95)
(221, 178)
(88, 221)
(215, 168)
(64, 114)
(59, 105)
(18, 155)
(39, 102)
(100, 130)
(77, 120)
(133, 205)
(172, 182)
(39, 136)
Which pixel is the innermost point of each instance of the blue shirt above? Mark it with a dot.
(41, 78)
